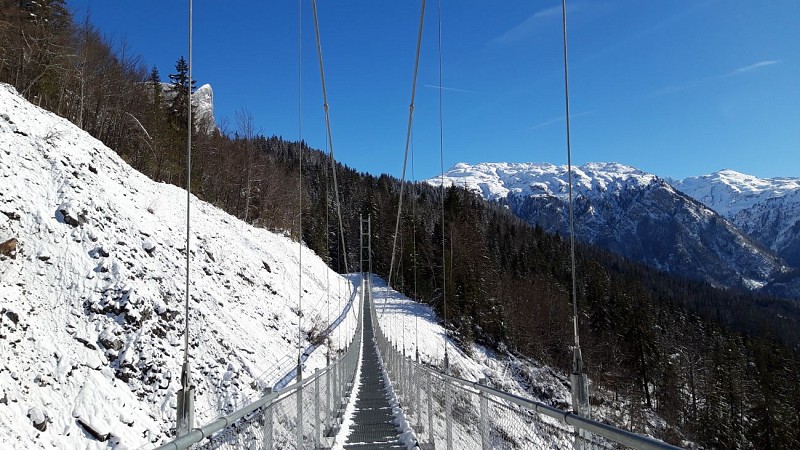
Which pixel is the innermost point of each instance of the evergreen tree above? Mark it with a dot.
(155, 85)
(181, 90)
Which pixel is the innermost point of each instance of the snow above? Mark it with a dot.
(495, 181)
(729, 192)
(767, 209)
(91, 308)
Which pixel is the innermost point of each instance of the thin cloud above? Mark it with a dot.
(530, 25)
(700, 81)
(755, 66)
(560, 119)
(448, 88)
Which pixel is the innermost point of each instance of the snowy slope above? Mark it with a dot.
(91, 308)
(630, 212)
(767, 209)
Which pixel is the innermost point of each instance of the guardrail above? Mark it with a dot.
(452, 413)
(305, 414)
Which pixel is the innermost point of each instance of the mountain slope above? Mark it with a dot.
(91, 304)
(630, 212)
(768, 210)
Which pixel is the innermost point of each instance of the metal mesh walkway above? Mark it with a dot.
(373, 422)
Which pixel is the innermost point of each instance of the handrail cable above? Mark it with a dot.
(329, 135)
(405, 157)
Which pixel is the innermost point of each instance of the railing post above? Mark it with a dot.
(448, 414)
(268, 424)
(336, 399)
(316, 408)
(328, 396)
(430, 408)
(300, 416)
(485, 444)
(416, 397)
(404, 377)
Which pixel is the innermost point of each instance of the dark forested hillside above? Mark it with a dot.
(721, 366)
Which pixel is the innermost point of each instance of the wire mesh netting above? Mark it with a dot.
(449, 413)
(444, 412)
(304, 415)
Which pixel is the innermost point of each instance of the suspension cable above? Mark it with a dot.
(328, 258)
(414, 246)
(188, 206)
(405, 157)
(300, 187)
(569, 176)
(329, 136)
(185, 412)
(441, 166)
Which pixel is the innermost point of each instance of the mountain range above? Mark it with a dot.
(727, 228)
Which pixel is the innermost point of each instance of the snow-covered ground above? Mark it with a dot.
(91, 307)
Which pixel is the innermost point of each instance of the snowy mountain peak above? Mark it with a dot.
(495, 181)
(729, 192)
(628, 211)
(203, 100)
(767, 209)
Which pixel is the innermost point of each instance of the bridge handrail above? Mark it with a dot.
(343, 373)
(610, 432)
(400, 364)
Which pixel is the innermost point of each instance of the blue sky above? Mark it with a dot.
(674, 87)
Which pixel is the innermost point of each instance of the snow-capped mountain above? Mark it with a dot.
(767, 209)
(628, 211)
(203, 102)
(92, 291)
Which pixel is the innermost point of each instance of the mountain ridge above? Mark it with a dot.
(631, 212)
(767, 209)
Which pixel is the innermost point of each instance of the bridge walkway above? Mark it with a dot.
(373, 421)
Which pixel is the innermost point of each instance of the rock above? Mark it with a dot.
(14, 317)
(149, 246)
(9, 248)
(102, 437)
(11, 215)
(71, 214)
(111, 343)
(38, 418)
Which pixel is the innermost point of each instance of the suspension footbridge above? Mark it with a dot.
(374, 396)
